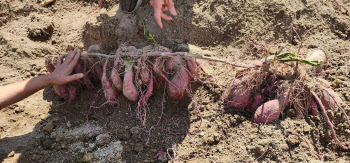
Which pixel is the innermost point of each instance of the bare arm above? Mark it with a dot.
(13, 93)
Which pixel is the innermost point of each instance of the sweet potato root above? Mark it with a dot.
(239, 99)
(145, 75)
(179, 83)
(257, 101)
(62, 91)
(192, 66)
(129, 88)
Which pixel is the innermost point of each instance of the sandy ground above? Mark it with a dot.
(45, 128)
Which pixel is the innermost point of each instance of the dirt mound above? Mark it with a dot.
(42, 127)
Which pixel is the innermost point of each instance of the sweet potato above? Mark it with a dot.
(62, 91)
(179, 83)
(239, 99)
(191, 65)
(149, 92)
(115, 77)
(145, 75)
(110, 93)
(257, 101)
(129, 88)
(269, 111)
(172, 63)
(72, 93)
(330, 99)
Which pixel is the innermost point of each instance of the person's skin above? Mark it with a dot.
(160, 6)
(15, 92)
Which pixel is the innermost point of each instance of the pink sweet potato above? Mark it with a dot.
(172, 63)
(330, 99)
(72, 93)
(115, 77)
(239, 99)
(145, 75)
(149, 92)
(257, 101)
(62, 91)
(192, 66)
(110, 93)
(129, 88)
(179, 83)
(269, 111)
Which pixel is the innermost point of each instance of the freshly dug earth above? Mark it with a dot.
(45, 128)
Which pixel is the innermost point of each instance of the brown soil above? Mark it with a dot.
(44, 128)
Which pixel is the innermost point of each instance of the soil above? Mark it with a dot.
(45, 128)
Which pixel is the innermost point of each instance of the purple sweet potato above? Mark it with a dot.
(115, 77)
(269, 111)
(179, 83)
(129, 88)
(110, 93)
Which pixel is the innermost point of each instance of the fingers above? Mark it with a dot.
(165, 8)
(166, 17)
(170, 5)
(157, 16)
(73, 77)
(70, 56)
(59, 61)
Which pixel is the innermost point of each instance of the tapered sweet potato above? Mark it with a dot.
(149, 92)
(314, 108)
(115, 77)
(110, 93)
(129, 88)
(179, 83)
(192, 66)
(239, 99)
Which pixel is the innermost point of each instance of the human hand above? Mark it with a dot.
(62, 73)
(160, 6)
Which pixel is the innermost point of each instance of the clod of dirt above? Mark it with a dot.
(41, 33)
(118, 156)
(293, 140)
(94, 49)
(162, 157)
(47, 143)
(138, 147)
(103, 139)
(87, 157)
(48, 127)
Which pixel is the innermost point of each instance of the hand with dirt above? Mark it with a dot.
(160, 6)
(61, 74)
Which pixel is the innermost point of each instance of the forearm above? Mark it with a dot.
(15, 92)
